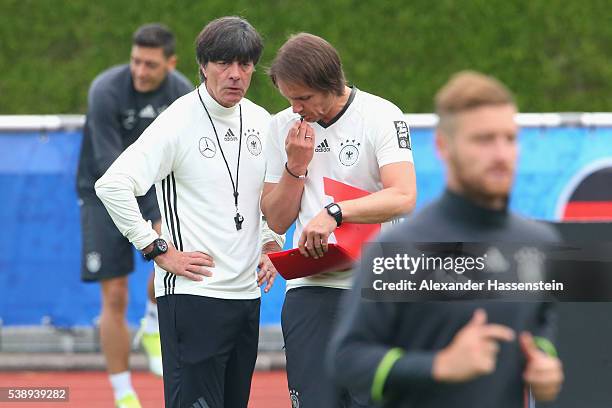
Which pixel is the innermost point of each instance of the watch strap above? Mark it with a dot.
(157, 245)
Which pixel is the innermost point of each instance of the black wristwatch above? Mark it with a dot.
(159, 247)
(335, 211)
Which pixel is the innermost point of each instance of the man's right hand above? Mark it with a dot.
(299, 146)
(192, 265)
(473, 351)
(543, 373)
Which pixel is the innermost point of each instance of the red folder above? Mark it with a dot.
(350, 237)
(291, 264)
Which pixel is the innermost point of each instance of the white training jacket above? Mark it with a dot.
(181, 155)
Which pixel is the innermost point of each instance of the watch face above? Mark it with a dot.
(334, 209)
(162, 245)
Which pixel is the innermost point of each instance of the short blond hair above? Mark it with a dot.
(469, 90)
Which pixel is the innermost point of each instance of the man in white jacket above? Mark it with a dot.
(204, 155)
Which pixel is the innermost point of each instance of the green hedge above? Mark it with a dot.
(554, 54)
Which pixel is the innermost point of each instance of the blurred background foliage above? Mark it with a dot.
(555, 55)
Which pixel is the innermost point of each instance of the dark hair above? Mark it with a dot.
(310, 61)
(155, 35)
(228, 39)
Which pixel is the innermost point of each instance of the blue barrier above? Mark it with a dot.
(39, 267)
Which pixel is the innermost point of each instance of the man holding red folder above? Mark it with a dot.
(332, 136)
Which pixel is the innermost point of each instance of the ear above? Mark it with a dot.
(442, 144)
(203, 71)
(172, 62)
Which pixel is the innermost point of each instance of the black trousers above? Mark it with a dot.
(209, 348)
(308, 320)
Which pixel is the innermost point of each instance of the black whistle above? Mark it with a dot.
(238, 219)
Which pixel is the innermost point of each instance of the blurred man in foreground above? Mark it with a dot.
(469, 353)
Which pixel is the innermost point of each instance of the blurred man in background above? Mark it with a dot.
(463, 354)
(122, 102)
(353, 138)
